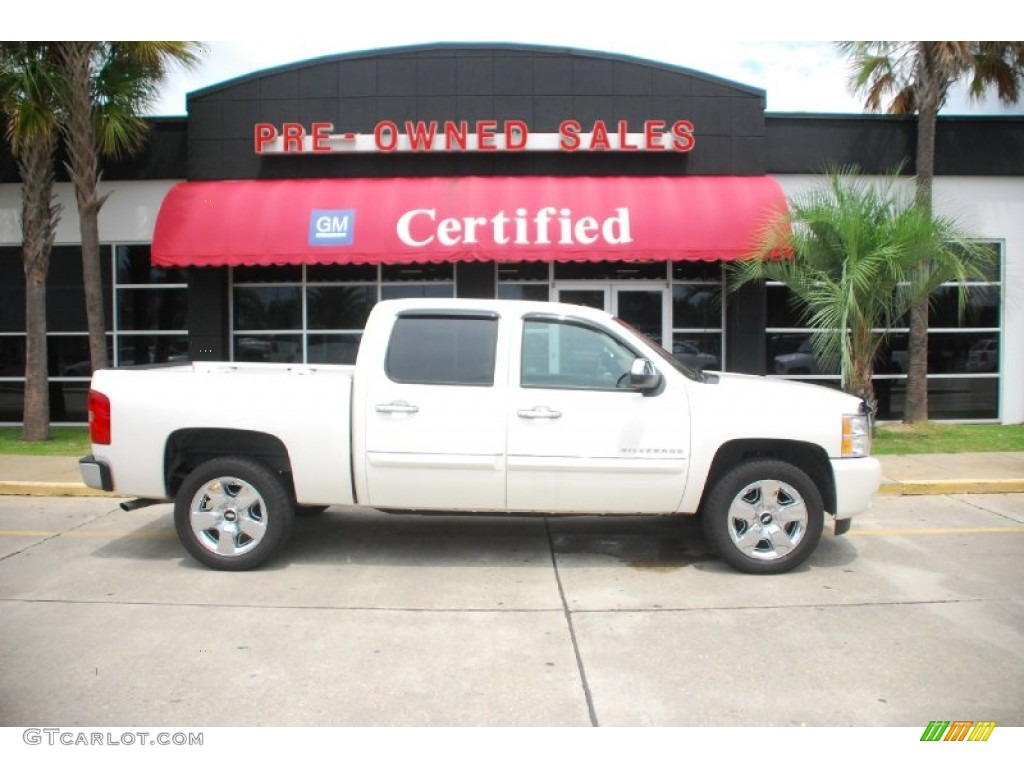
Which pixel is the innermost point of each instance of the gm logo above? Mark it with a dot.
(332, 227)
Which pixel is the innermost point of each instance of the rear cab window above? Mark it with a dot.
(455, 349)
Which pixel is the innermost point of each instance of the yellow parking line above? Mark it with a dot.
(91, 534)
(932, 531)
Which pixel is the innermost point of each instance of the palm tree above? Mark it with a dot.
(849, 251)
(28, 100)
(108, 86)
(918, 75)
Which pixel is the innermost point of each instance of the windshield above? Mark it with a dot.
(664, 354)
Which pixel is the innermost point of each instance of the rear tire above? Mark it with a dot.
(765, 516)
(232, 514)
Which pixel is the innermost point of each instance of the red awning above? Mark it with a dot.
(415, 220)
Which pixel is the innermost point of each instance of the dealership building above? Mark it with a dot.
(265, 224)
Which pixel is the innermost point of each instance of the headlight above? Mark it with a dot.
(856, 435)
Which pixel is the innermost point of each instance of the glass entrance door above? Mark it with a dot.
(645, 307)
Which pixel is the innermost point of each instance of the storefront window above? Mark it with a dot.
(268, 348)
(337, 348)
(283, 274)
(610, 270)
(980, 310)
(151, 306)
(144, 308)
(268, 308)
(963, 351)
(134, 268)
(341, 273)
(524, 281)
(65, 297)
(316, 313)
(697, 314)
(342, 307)
(524, 271)
(12, 292)
(524, 291)
(141, 309)
(68, 355)
(414, 291)
(12, 355)
(417, 273)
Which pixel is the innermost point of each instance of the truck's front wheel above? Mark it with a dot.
(231, 514)
(765, 516)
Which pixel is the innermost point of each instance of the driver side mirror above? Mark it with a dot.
(643, 376)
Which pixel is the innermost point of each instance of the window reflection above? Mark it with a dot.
(270, 308)
(963, 350)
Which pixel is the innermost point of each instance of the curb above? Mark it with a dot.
(22, 488)
(942, 487)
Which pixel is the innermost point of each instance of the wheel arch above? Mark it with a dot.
(809, 457)
(186, 449)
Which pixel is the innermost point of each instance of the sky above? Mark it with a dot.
(797, 76)
(779, 46)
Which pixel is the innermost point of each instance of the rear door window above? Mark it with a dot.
(443, 349)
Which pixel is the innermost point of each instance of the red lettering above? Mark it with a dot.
(321, 133)
(599, 138)
(516, 135)
(385, 136)
(653, 130)
(682, 132)
(624, 137)
(265, 133)
(421, 135)
(456, 135)
(569, 130)
(292, 134)
(485, 130)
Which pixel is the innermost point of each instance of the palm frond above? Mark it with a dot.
(863, 251)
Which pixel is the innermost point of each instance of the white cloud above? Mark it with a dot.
(799, 72)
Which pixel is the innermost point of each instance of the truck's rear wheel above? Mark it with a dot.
(765, 516)
(231, 514)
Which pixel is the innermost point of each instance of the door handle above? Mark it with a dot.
(539, 412)
(396, 406)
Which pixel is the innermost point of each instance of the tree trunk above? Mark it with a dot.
(92, 277)
(83, 167)
(36, 426)
(38, 225)
(858, 379)
(916, 407)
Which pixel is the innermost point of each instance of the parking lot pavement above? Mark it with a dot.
(369, 619)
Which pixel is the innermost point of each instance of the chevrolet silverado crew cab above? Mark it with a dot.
(492, 407)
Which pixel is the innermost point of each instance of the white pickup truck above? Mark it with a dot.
(495, 407)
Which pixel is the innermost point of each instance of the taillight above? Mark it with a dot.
(99, 418)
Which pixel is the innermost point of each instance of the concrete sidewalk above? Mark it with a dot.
(902, 475)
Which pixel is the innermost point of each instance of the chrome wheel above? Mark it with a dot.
(764, 516)
(228, 516)
(233, 513)
(767, 519)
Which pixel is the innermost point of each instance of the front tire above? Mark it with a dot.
(765, 516)
(231, 514)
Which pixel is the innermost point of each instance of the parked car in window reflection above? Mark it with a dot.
(983, 356)
(690, 355)
(800, 362)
